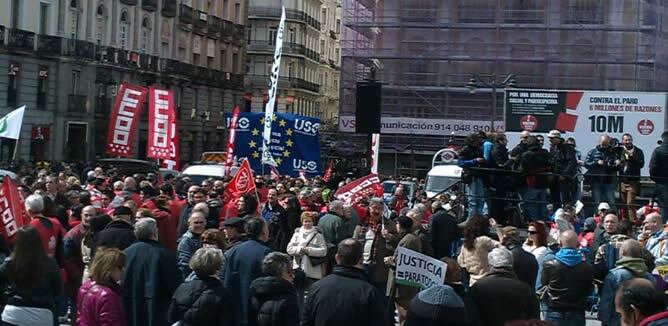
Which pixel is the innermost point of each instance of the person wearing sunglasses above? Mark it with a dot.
(536, 242)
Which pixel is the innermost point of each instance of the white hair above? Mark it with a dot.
(335, 205)
(146, 228)
(34, 203)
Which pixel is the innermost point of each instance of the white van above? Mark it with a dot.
(442, 177)
(200, 172)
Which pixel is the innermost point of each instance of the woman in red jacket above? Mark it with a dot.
(100, 301)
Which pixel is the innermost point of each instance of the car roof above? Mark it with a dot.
(446, 171)
(205, 169)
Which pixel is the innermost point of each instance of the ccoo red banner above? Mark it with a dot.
(172, 162)
(160, 120)
(124, 119)
(229, 153)
(362, 187)
(11, 206)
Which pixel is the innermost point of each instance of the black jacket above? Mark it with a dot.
(117, 234)
(443, 229)
(568, 287)
(535, 164)
(194, 301)
(524, 265)
(563, 160)
(344, 297)
(273, 302)
(658, 164)
(500, 297)
(601, 173)
(631, 165)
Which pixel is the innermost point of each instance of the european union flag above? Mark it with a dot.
(294, 142)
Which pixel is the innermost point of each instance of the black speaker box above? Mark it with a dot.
(367, 108)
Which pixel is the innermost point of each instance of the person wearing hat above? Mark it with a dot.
(586, 236)
(500, 296)
(602, 211)
(524, 263)
(402, 294)
(564, 169)
(233, 228)
(119, 233)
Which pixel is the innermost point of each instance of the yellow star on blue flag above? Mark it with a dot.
(256, 154)
(255, 132)
(286, 153)
(278, 161)
(252, 144)
(288, 132)
(282, 123)
(289, 142)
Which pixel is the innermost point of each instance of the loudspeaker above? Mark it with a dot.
(367, 108)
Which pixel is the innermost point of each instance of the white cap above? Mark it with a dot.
(604, 205)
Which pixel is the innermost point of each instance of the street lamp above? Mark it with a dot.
(477, 82)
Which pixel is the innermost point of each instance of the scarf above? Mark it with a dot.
(569, 256)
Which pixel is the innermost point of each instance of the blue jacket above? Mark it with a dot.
(188, 244)
(627, 268)
(243, 264)
(608, 156)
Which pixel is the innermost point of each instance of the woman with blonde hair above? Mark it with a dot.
(100, 301)
(308, 248)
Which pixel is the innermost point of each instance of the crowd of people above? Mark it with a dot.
(139, 250)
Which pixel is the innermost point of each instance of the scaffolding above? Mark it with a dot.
(425, 51)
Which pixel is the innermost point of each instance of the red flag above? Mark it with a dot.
(160, 119)
(328, 172)
(229, 154)
(241, 184)
(362, 187)
(124, 119)
(274, 174)
(172, 162)
(13, 213)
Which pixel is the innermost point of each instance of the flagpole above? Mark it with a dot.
(16, 147)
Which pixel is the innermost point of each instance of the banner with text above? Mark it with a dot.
(124, 119)
(584, 115)
(294, 142)
(418, 270)
(172, 163)
(160, 120)
(11, 206)
(419, 126)
(362, 187)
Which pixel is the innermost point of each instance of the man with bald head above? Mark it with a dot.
(521, 147)
(652, 235)
(603, 163)
(569, 280)
(72, 261)
(629, 265)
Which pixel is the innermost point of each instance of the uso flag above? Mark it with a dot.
(294, 142)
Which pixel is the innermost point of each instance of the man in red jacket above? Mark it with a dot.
(49, 228)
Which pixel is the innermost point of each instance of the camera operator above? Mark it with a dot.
(602, 164)
(632, 159)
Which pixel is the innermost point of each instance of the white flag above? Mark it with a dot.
(375, 152)
(273, 88)
(10, 125)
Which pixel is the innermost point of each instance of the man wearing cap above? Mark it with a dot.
(499, 296)
(233, 228)
(119, 233)
(524, 263)
(564, 168)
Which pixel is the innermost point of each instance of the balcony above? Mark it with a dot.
(300, 83)
(129, 2)
(185, 14)
(237, 81)
(332, 34)
(228, 29)
(149, 5)
(104, 75)
(103, 107)
(313, 55)
(200, 20)
(77, 103)
(49, 45)
(269, 47)
(169, 8)
(215, 25)
(81, 49)
(332, 64)
(21, 40)
(239, 36)
(148, 62)
(168, 66)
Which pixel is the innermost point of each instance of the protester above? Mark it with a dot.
(344, 297)
(190, 241)
(473, 256)
(120, 232)
(604, 232)
(630, 265)
(536, 242)
(100, 298)
(273, 300)
(233, 228)
(202, 300)
(602, 164)
(658, 172)
(150, 277)
(308, 249)
(332, 225)
(97, 224)
(525, 264)
(632, 160)
(586, 236)
(243, 265)
(247, 206)
(401, 295)
(639, 303)
(534, 165)
(436, 306)
(73, 262)
(608, 253)
(50, 231)
(274, 214)
(568, 281)
(195, 196)
(167, 222)
(564, 168)
(470, 158)
(499, 296)
(31, 280)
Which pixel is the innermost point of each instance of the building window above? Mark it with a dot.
(323, 16)
(74, 19)
(195, 59)
(338, 25)
(123, 30)
(248, 34)
(291, 68)
(223, 60)
(16, 13)
(337, 53)
(43, 18)
(145, 45)
(100, 29)
(164, 49)
(322, 47)
(272, 35)
(237, 13)
(13, 84)
(235, 63)
(292, 35)
(74, 83)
